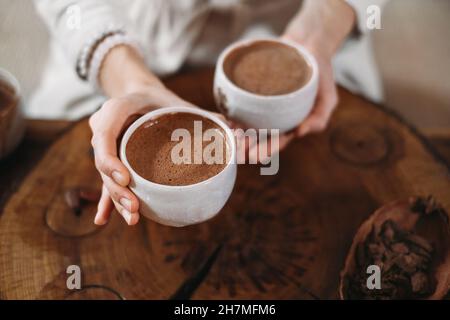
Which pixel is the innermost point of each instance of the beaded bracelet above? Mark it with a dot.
(83, 61)
(102, 50)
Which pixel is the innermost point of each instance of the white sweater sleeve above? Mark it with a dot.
(74, 23)
(360, 7)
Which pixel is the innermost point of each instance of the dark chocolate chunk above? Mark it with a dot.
(404, 259)
(418, 241)
(400, 248)
(420, 283)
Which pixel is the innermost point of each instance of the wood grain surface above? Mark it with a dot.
(282, 236)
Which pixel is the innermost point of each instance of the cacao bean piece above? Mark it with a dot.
(406, 263)
(72, 197)
(400, 248)
(418, 241)
(388, 232)
(387, 265)
(419, 283)
(376, 250)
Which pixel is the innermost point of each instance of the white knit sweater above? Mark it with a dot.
(172, 33)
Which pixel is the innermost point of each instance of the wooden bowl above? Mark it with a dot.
(432, 225)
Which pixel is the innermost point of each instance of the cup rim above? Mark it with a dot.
(176, 109)
(247, 42)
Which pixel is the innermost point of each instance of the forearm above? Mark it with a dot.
(322, 25)
(124, 71)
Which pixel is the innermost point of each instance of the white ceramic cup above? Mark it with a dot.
(12, 122)
(182, 205)
(283, 112)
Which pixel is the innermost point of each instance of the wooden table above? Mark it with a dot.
(283, 236)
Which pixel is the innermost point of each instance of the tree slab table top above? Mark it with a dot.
(279, 237)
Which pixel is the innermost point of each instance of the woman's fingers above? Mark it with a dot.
(121, 195)
(129, 217)
(326, 102)
(318, 120)
(104, 208)
(262, 151)
(107, 125)
(104, 141)
(106, 205)
(106, 159)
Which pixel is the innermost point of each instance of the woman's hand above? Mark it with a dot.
(321, 26)
(325, 104)
(134, 91)
(327, 97)
(107, 125)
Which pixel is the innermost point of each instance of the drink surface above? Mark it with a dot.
(267, 68)
(149, 150)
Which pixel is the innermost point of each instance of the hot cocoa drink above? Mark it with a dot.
(149, 150)
(267, 68)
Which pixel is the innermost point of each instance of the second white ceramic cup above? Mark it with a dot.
(182, 205)
(283, 112)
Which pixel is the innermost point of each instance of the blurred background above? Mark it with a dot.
(412, 51)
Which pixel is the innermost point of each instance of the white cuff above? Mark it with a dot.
(84, 58)
(102, 50)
